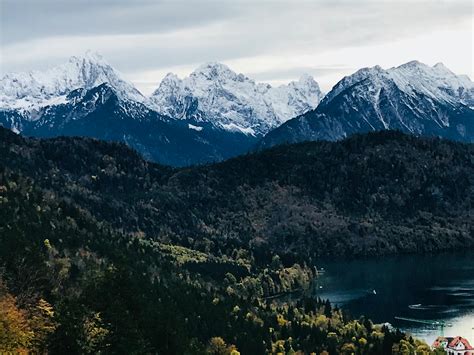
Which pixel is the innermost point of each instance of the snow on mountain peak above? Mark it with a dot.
(437, 82)
(412, 64)
(441, 66)
(91, 56)
(307, 79)
(170, 82)
(30, 90)
(216, 94)
(348, 81)
(213, 70)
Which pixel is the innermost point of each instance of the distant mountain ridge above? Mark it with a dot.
(213, 115)
(414, 98)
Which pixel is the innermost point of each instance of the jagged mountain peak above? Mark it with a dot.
(306, 78)
(170, 83)
(413, 64)
(34, 89)
(439, 65)
(414, 78)
(346, 82)
(416, 65)
(90, 56)
(170, 77)
(437, 82)
(213, 70)
(215, 93)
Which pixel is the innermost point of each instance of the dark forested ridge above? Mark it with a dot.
(102, 251)
(378, 193)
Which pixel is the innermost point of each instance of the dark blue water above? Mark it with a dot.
(424, 288)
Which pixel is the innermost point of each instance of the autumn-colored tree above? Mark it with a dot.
(348, 348)
(217, 346)
(15, 332)
(95, 333)
(42, 323)
(403, 348)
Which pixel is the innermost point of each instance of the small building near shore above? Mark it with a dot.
(454, 345)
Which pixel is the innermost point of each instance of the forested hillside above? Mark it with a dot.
(102, 251)
(370, 194)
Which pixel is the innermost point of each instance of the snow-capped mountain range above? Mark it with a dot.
(213, 93)
(413, 97)
(215, 113)
(210, 116)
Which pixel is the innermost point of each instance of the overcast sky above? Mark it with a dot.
(270, 41)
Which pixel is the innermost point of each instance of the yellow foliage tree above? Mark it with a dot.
(15, 332)
(217, 346)
(348, 348)
(95, 332)
(42, 323)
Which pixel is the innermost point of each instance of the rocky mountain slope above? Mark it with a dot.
(413, 98)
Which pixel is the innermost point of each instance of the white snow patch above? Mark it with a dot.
(232, 127)
(196, 128)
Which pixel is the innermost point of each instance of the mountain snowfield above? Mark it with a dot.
(413, 98)
(213, 93)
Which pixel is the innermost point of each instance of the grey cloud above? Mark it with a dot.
(31, 19)
(309, 26)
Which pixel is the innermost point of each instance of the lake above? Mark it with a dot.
(421, 288)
